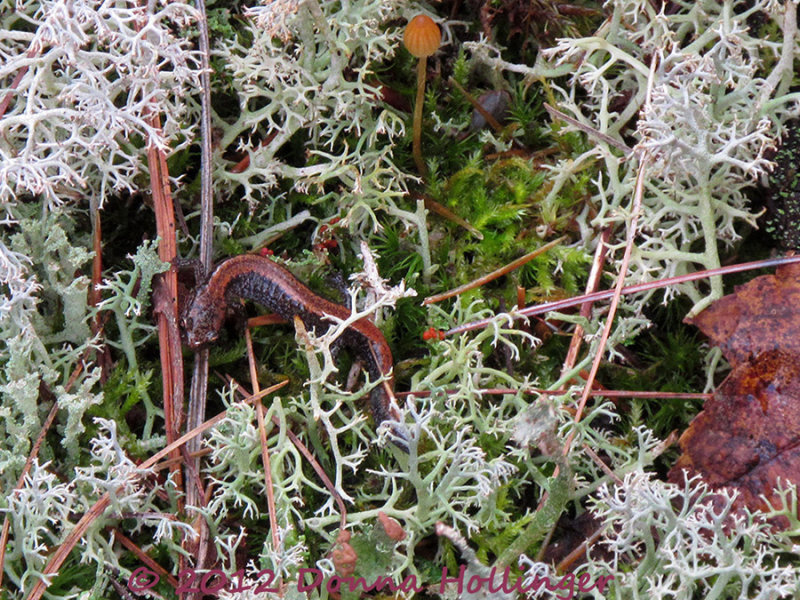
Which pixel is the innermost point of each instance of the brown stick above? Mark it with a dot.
(171, 362)
(303, 449)
(262, 433)
(600, 393)
(633, 289)
(586, 307)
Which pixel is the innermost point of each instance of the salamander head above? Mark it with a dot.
(201, 321)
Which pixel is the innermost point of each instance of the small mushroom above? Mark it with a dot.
(422, 38)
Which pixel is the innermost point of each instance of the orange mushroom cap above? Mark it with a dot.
(422, 36)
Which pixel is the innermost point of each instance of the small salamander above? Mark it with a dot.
(265, 282)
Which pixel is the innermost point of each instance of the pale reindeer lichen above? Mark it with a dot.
(712, 114)
(90, 76)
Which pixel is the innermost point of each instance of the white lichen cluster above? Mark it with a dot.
(83, 81)
(698, 93)
(42, 511)
(79, 84)
(718, 96)
(308, 70)
(306, 73)
(663, 540)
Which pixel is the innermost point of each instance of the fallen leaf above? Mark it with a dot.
(748, 433)
(762, 315)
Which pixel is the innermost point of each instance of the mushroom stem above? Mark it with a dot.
(417, 145)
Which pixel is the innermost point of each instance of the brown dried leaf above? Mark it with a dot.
(748, 434)
(760, 316)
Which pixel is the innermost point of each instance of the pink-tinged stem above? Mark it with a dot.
(417, 147)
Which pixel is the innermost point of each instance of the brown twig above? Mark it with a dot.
(262, 432)
(33, 51)
(591, 132)
(103, 355)
(198, 391)
(521, 296)
(477, 106)
(598, 393)
(579, 551)
(171, 363)
(206, 190)
(243, 164)
(166, 464)
(441, 210)
(623, 270)
(633, 289)
(534, 157)
(636, 210)
(143, 556)
(603, 466)
(586, 308)
(303, 449)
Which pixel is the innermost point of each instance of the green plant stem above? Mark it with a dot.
(417, 146)
(711, 261)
